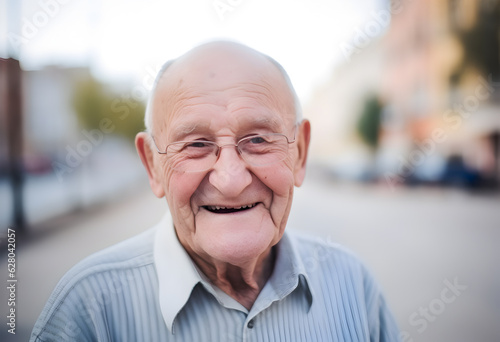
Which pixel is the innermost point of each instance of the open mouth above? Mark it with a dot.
(226, 210)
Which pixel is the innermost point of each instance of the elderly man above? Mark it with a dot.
(225, 145)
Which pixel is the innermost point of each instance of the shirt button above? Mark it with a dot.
(250, 324)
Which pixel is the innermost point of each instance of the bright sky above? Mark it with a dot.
(123, 39)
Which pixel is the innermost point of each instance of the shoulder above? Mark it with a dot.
(105, 278)
(128, 254)
(325, 261)
(311, 247)
(339, 278)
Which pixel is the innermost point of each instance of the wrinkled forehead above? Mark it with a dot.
(222, 68)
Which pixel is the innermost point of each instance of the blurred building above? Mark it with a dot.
(334, 111)
(63, 165)
(46, 116)
(443, 119)
(435, 71)
(336, 107)
(50, 121)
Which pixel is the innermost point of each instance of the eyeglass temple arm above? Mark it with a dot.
(156, 146)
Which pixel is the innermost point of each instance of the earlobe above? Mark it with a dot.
(303, 139)
(147, 157)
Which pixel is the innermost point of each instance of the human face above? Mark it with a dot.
(224, 103)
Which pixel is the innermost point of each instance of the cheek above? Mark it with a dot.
(180, 187)
(279, 178)
(280, 181)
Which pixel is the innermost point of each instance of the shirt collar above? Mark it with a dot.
(289, 274)
(178, 275)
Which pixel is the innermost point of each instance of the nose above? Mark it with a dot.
(230, 174)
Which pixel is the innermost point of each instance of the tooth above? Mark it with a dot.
(223, 207)
(237, 207)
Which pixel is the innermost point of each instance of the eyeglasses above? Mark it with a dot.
(201, 155)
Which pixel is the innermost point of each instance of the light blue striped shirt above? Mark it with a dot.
(148, 289)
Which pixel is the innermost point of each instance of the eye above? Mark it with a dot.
(198, 144)
(257, 140)
(196, 149)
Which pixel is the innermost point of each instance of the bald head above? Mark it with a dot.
(216, 67)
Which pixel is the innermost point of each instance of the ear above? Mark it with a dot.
(145, 151)
(303, 138)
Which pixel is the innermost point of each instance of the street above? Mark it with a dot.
(434, 251)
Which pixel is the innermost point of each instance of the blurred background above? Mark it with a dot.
(404, 101)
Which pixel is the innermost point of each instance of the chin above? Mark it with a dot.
(235, 238)
(238, 248)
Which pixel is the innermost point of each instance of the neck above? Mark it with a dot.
(244, 282)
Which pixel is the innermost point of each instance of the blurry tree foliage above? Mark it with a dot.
(93, 103)
(368, 126)
(481, 42)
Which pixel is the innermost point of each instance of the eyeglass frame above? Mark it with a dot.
(219, 147)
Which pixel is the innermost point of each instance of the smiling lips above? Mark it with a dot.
(225, 210)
